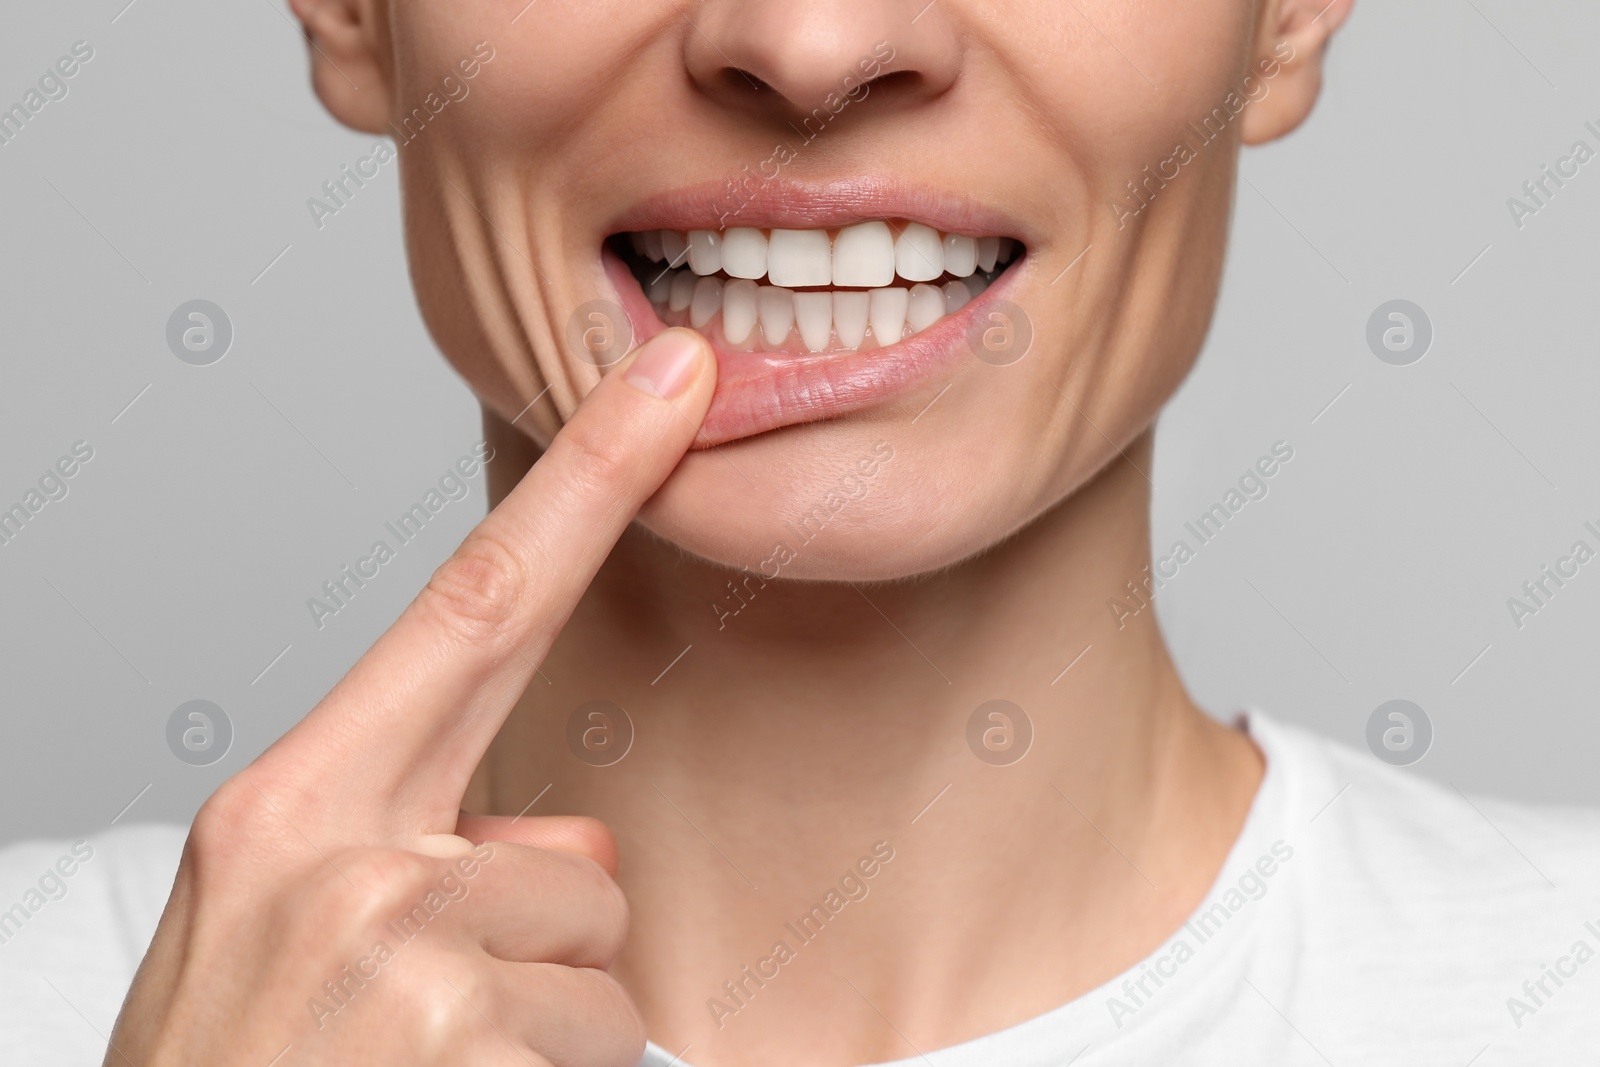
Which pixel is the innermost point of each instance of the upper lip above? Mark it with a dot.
(788, 204)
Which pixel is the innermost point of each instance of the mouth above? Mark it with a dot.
(811, 324)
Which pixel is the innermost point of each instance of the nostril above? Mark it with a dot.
(775, 59)
(893, 81)
(742, 84)
(738, 79)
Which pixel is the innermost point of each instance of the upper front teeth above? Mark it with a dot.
(867, 255)
(799, 257)
(867, 285)
(919, 254)
(864, 256)
(744, 253)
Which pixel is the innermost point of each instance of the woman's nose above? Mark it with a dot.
(783, 58)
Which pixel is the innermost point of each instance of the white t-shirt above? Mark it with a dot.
(1364, 918)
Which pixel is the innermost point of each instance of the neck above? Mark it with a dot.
(784, 731)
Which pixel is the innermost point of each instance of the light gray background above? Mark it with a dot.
(1379, 567)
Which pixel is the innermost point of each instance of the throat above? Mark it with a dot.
(814, 837)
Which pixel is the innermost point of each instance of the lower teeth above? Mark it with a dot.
(767, 318)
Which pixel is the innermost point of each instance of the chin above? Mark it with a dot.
(856, 499)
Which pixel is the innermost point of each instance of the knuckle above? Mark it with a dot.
(616, 1014)
(596, 896)
(611, 905)
(369, 887)
(596, 457)
(229, 819)
(478, 590)
(445, 1005)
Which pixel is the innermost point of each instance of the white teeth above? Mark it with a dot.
(813, 313)
(925, 307)
(960, 255)
(674, 246)
(850, 316)
(799, 257)
(988, 252)
(826, 319)
(739, 310)
(775, 307)
(708, 301)
(744, 253)
(863, 255)
(705, 251)
(918, 256)
(956, 295)
(721, 282)
(682, 291)
(888, 314)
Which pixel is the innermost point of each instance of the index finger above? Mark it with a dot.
(406, 727)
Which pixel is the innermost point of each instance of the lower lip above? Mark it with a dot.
(761, 391)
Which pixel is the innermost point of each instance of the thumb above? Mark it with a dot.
(561, 833)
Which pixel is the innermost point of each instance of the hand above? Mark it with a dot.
(333, 900)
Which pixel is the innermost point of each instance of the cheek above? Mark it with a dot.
(1153, 166)
(558, 76)
(490, 185)
(1127, 78)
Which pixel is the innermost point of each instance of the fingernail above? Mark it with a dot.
(665, 363)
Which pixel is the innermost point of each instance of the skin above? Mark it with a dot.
(828, 712)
